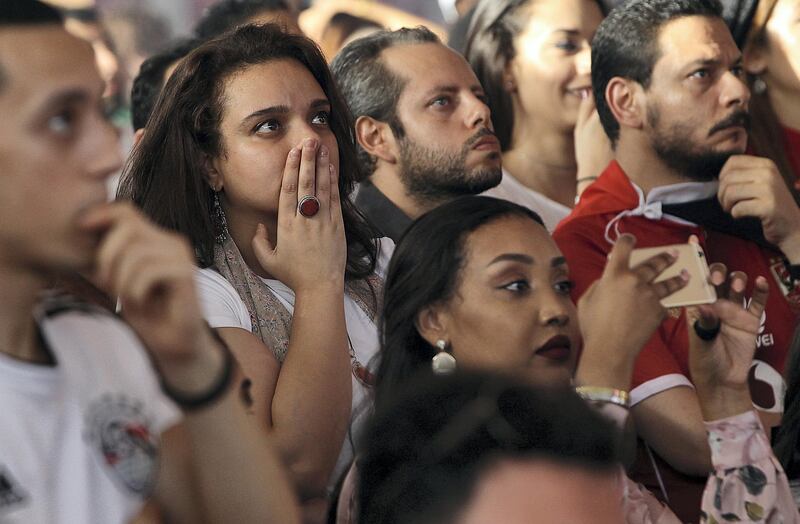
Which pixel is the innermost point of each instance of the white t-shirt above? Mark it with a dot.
(79, 440)
(513, 190)
(222, 307)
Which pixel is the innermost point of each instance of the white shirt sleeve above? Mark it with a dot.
(221, 304)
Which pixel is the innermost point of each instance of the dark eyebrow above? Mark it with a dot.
(512, 257)
(441, 89)
(570, 32)
(711, 62)
(67, 97)
(282, 110)
(558, 261)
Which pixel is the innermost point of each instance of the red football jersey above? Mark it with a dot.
(605, 210)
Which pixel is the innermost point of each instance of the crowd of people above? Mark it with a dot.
(368, 276)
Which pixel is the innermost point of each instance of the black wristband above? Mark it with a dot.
(704, 333)
(217, 390)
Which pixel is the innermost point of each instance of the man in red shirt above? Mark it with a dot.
(671, 95)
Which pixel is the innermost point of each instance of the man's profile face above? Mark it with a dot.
(448, 147)
(56, 147)
(697, 100)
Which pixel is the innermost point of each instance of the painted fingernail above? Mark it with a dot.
(674, 253)
(684, 275)
(331, 168)
(323, 151)
(310, 143)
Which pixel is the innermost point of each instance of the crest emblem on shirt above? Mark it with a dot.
(11, 494)
(789, 288)
(119, 429)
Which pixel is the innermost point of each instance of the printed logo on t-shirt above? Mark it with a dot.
(119, 429)
(789, 288)
(767, 387)
(11, 494)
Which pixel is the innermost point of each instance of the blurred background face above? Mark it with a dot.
(782, 48)
(562, 493)
(551, 71)
(269, 109)
(56, 148)
(512, 310)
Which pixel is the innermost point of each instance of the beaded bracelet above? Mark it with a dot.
(217, 390)
(619, 397)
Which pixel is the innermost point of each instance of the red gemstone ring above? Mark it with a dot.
(308, 206)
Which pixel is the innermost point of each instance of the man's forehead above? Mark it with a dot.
(429, 64)
(44, 52)
(693, 38)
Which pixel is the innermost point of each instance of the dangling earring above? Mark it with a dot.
(218, 218)
(443, 363)
(759, 86)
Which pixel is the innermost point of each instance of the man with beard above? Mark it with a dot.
(672, 97)
(423, 128)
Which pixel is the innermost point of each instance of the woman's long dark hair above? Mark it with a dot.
(766, 132)
(490, 48)
(425, 270)
(165, 175)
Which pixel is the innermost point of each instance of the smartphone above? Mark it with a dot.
(690, 257)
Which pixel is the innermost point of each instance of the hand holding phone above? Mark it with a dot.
(690, 257)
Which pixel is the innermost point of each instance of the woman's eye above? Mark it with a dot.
(700, 73)
(323, 118)
(270, 126)
(567, 45)
(61, 123)
(517, 286)
(738, 71)
(565, 287)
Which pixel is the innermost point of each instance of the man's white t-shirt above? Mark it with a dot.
(513, 190)
(222, 307)
(79, 440)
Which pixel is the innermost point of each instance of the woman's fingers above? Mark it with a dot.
(336, 203)
(738, 283)
(287, 201)
(323, 178)
(760, 294)
(651, 268)
(619, 259)
(670, 285)
(262, 247)
(308, 168)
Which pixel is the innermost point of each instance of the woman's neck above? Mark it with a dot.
(242, 229)
(786, 105)
(544, 161)
(20, 290)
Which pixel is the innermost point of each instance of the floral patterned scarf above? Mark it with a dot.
(271, 321)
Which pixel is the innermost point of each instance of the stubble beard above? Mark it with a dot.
(675, 148)
(435, 176)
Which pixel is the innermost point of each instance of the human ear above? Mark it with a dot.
(213, 174)
(624, 100)
(137, 136)
(509, 79)
(431, 324)
(377, 139)
(755, 59)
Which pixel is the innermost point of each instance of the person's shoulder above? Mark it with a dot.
(222, 306)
